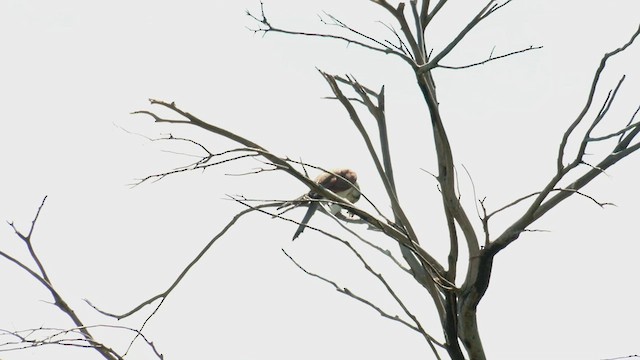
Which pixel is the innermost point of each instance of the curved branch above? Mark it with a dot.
(163, 295)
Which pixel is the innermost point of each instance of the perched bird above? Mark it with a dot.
(344, 185)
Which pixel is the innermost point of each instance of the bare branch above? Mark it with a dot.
(419, 30)
(27, 241)
(399, 49)
(267, 27)
(29, 338)
(419, 252)
(385, 252)
(485, 222)
(59, 302)
(397, 209)
(390, 290)
(629, 124)
(416, 324)
(202, 164)
(587, 106)
(426, 17)
(515, 202)
(587, 136)
(489, 9)
(349, 293)
(398, 13)
(623, 357)
(491, 58)
(284, 165)
(402, 47)
(184, 272)
(619, 132)
(541, 204)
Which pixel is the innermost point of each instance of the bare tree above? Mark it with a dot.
(455, 295)
(456, 304)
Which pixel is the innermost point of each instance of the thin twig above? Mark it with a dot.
(490, 58)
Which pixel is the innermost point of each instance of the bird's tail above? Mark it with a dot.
(305, 220)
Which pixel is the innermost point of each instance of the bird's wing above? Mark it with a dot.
(339, 183)
(353, 194)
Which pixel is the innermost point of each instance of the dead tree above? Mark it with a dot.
(456, 304)
(456, 296)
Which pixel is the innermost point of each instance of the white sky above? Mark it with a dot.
(72, 71)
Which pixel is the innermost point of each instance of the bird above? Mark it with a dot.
(341, 181)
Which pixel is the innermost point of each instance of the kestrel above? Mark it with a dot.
(344, 185)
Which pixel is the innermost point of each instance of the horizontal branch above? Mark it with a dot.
(202, 164)
(29, 338)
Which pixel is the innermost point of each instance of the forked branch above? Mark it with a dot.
(375, 45)
(623, 148)
(86, 339)
(285, 165)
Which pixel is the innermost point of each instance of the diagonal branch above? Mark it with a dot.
(397, 209)
(592, 91)
(427, 16)
(398, 13)
(28, 243)
(416, 326)
(420, 271)
(59, 301)
(624, 148)
(490, 58)
(353, 295)
(489, 9)
(379, 249)
(163, 295)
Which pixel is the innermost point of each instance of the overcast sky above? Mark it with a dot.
(71, 72)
